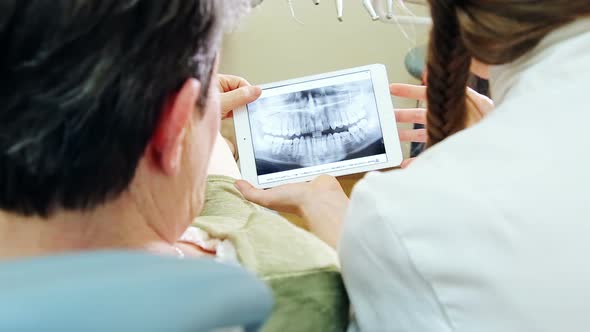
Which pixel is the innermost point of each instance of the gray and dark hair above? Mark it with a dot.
(83, 83)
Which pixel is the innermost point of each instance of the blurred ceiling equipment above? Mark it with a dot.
(385, 11)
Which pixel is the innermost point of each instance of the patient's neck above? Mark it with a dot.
(105, 228)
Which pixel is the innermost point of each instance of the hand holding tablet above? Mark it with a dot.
(336, 123)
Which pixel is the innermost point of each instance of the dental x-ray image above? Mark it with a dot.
(315, 127)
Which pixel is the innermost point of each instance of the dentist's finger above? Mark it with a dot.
(413, 135)
(408, 91)
(411, 115)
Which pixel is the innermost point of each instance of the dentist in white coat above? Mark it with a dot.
(489, 230)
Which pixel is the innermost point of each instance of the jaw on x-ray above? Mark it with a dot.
(316, 127)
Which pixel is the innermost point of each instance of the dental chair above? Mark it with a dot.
(119, 291)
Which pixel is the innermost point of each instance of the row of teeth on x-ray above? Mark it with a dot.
(309, 149)
(296, 124)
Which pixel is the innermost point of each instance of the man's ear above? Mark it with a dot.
(171, 127)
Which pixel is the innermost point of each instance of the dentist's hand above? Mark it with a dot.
(410, 115)
(321, 203)
(235, 92)
(478, 106)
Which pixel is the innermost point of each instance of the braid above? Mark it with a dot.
(448, 71)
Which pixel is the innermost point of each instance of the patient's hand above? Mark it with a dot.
(235, 92)
(321, 203)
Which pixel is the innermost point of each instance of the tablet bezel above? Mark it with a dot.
(387, 120)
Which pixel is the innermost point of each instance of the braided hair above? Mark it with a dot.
(448, 72)
(491, 31)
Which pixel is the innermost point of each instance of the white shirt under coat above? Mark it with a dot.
(489, 230)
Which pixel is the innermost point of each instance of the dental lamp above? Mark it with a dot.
(379, 10)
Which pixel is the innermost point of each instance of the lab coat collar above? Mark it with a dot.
(504, 77)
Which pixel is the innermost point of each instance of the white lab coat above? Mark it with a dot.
(489, 230)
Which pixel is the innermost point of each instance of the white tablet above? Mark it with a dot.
(337, 123)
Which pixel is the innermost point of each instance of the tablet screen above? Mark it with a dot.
(316, 127)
